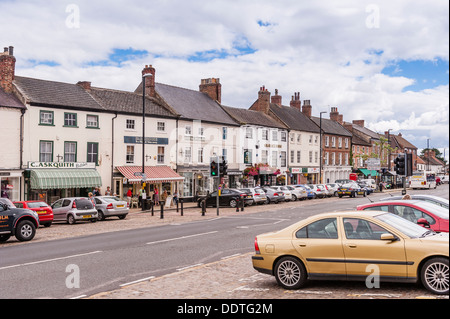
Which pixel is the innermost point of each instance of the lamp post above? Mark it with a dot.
(143, 130)
(320, 141)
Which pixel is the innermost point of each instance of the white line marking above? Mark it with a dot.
(226, 257)
(187, 267)
(182, 237)
(49, 260)
(78, 297)
(136, 281)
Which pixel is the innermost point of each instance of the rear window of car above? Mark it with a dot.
(111, 199)
(37, 204)
(83, 203)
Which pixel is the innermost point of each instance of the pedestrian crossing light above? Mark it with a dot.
(214, 169)
(400, 164)
(223, 168)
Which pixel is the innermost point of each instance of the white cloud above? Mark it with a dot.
(327, 50)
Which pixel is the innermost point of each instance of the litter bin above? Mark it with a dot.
(147, 204)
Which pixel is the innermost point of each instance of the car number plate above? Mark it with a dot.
(120, 206)
(87, 216)
(40, 212)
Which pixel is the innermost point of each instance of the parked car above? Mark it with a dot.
(365, 187)
(350, 189)
(344, 244)
(370, 183)
(309, 192)
(333, 188)
(419, 212)
(273, 196)
(259, 196)
(319, 190)
(344, 181)
(108, 206)
(298, 193)
(44, 211)
(283, 189)
(443, 202)
(73, 209)
(228, 197)
(18, 222)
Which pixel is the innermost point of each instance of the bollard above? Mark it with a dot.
(203, 207)
(161, 203)
(243, 203)
(177, 204)
(181, 202)
(237, 206)
(153, 206)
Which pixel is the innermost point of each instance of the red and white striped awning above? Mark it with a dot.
(154, 174)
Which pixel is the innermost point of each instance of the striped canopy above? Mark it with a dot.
(155, 174)
(64, 178)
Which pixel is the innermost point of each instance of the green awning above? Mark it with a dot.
(64, 178)
(367, 172)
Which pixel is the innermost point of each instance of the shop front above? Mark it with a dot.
(50, 181)
(10, 184)
(160, 178)
(304, 175)
(197, 181)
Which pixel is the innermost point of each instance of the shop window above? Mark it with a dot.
(92, 153)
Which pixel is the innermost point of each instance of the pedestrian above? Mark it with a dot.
(407, 197)
(96, 192)
(129, 195)
(164, 196)
(140, 196)
(381, 186)
(108, 191)
(156, 196)
(91, 198)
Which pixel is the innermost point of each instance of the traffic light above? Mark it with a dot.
(214, 169)
(400, 165)
(223, 168)
(409, 165)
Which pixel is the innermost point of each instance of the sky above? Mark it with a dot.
(386, 62)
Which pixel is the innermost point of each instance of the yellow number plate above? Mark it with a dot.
(87, 216)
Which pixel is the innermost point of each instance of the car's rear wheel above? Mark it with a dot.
(233, 203)
(71, 219)
(290, 273)
(25, 230)
(434, 275)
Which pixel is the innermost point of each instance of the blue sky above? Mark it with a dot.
(382, 61)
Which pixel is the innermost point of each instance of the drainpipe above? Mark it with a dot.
(112, 154)
(21, 152)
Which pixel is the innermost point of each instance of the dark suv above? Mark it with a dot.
(18, 222)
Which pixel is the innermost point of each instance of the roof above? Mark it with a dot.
(251, 117)
(10, 100)
(51, 93)
(400, 142)
(129, 102)
(366, 131)
(331, 127)
(191, 104)
(293, 118)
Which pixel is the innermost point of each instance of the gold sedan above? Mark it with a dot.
(368, 246)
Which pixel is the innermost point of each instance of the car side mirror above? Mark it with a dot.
(388, 236)
(4, 206)
(423, 222)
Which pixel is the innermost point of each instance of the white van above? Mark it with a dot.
(370, 182)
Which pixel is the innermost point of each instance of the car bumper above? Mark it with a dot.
(86, 215)
(116, 212)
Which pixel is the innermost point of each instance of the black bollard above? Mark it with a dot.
(243, 203)
(237, 205)
(153, 206)
(161, 203)
(181, 202)
(203, 207)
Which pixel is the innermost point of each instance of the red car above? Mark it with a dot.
(420, 212)
(44, 211)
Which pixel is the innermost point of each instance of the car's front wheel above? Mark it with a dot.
(434, 275)
(25, 230)
(290, 273)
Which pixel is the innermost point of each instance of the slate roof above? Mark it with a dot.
(293, 118)
(51, 93)
(400, 142)
(250, 117)
(331, 127)
(129, 102)
(192, 105)
(9, 100)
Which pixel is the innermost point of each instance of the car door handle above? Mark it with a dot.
(302, 244)
(351, 245)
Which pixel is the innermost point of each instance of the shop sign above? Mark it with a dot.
(61, 165)
(148, 140)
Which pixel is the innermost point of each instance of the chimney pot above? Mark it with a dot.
(11, 50)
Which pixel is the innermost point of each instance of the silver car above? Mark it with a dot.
(298, 193)
(319, 190)
(108, 206)
(286, 192)
(74, 209)
(259, 196)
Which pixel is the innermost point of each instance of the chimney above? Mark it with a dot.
(359, 122)
(296, 102)
(149, 81)
(307, 108)
(212, 88)
(85, 85)
(348, 127)
(335, 116)
(276, 99)
(7, 69)
(262, 104)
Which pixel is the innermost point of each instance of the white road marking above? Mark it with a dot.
(187, 267)
(136, 281)
(50, 260)
(182, 237)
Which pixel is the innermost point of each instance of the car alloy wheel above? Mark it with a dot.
(435, 276)
(25, 230)
(290, 273)
(233, 203)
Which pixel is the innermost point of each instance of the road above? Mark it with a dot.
(85, 266)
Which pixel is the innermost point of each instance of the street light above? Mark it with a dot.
(321, 159)
(143, 129)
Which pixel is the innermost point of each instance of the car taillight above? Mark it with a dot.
(275, 194)
(110, 206)
(74, 205)
(256, 246)
(257, 194)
